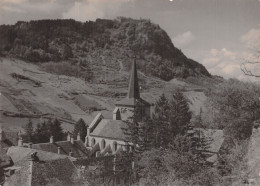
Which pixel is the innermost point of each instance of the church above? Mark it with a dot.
(106, 136)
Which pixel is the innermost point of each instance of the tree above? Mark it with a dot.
(29, 131)
(56, 130)
(160, 122)
(200, 143)
(250, 67)
(175, 166)
(180, 115)
(137, 129)
(42, 133)
(81, 128)
(238, 107)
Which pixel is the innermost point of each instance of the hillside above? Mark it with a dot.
(28, 92)
(98, 46)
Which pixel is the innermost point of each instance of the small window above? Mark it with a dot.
(103, 144)
(115, 146)
(93, 142)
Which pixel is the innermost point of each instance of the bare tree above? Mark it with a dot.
(248, 66)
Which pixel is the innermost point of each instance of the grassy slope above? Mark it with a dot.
(72, 98)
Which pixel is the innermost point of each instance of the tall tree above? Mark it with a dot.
(200, 143)
(56, 130)
(180, 115)
(42, 133)
(81, 128)
(137, 130)
(160, 122)
(28, 131)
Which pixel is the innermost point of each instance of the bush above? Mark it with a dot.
(66, 68)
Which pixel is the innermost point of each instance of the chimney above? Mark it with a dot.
(72, 140)
(20, 142)
(58, 150)
(78, 136)
(68, 137)
(51, 139)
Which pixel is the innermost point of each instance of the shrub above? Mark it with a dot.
(66, 68)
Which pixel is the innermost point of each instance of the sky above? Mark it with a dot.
(220, 34)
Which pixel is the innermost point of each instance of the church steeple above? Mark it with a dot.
(133, 88)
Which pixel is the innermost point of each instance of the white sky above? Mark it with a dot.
(220, 34)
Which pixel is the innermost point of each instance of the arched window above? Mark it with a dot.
(93, 142)
(103, 144)
(115, 146)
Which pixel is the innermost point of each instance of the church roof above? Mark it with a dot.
(133, 89)
(78, 149)
(133, 94)
(113, 129)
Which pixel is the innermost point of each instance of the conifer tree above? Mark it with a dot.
(29, 131)
(56, 130)
(81, 128)
(137, 130)
(160, 122)
(180, 115)
(42, 133)
(200, 142)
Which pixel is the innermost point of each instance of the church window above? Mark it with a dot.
(103, 144)
(115, 146)
(93, 142)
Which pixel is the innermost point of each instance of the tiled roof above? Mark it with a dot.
(21, 176)
(78, 149)
(60, 172)
(21, 153)
(53, 172)
(108, 128)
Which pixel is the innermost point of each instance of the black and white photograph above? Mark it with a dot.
(129, 92)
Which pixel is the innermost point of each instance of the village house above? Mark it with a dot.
(37, 167)
(70, 147)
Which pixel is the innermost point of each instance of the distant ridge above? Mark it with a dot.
(109, 43)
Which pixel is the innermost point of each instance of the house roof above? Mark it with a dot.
(52, 172)
(21, 153)
(78, 149)
(113, 129)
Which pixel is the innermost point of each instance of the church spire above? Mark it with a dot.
(133, 89)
